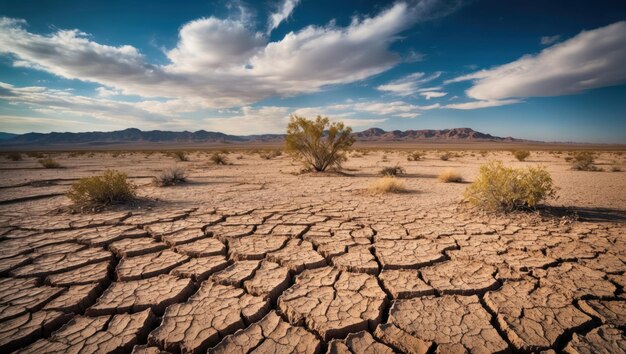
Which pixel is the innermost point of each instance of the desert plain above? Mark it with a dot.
(254, 257)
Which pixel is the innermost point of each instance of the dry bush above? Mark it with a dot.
(386, 185)
(584, 161)
(445, 156)
(392, 171)
(568, 158)
(483, 153)
(521, 155)
(415, 156)
(14, 156)
(49, 162)
(503, 188)
(318, 144)
(170, 177)
(450, 175)
(109, 188)
(180, 155)
(271, 154)
(218, 159)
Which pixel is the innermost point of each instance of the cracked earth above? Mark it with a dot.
(249, 258)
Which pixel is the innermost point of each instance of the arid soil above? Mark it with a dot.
(254, 257)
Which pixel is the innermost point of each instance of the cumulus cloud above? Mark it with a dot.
(589, 60)
(409, 84)
(548, 40)
(276, 18)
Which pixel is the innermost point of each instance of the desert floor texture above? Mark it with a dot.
(252, 257)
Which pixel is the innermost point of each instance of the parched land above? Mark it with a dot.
(255, 257)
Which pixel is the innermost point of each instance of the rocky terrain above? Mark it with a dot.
(253, 258)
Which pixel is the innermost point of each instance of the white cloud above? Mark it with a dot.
(548, 40)
(589, 60)
(481, 104)
(409, 84)
(433, 94)
(276, 18)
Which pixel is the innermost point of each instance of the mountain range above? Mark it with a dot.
(136, 136)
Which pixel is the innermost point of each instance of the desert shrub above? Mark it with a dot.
(116, 154)
(568, 158)
(318, 144)
(385, 158)
(415, 156)
(584, 161)
(14, 156)
(218, 159)
(392, 171)
(445, 156)
(170, 177)
(49, 162)
(521, 155)
(483, 153)
(450, 175)
(180, 155)
(502, 188)
(271, 154)
(386, 185)
(616, 169)
(109, 188)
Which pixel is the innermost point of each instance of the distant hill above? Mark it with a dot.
(5, 136)
(136, 136)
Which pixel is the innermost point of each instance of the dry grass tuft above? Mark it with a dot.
(218, 159)
(392, 171)
(521, 155)
(415, 156)
(445, 156)
(386, 185)
(49, 162)
(109, 188)
(450, 175)
(170, 177)
(584, 161)
(180, 155)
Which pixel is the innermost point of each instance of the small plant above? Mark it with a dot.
(568, 158)
(483, 153)
(180, 156)
(584, 161)
(271, 154)
(415, 156)
(386, 185)
(109, 188)
(385, 158)
(505, 189)
(392, 171)
(450, 175)
(318, 144)
(49, 162)
(14, 156)
(445, 156)
(170, 177)
(218, 159)
(521, 155)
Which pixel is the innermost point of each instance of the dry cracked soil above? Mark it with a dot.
(252, 258)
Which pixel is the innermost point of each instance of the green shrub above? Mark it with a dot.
(49, 162)
(502, 188)
(318, 144)
(521, 155)
(392, 171)
(109, 188)
(584, 161)
(14, 156)
(180, 155)
(170, 177)
(415, 156)
(218, 159)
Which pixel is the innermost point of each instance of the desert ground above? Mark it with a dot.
(255, 257)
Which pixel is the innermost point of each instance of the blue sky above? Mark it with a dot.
(530, 69)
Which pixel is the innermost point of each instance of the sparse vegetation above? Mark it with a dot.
(392, 171)
(584, 161)
(505, 189)
(521, 155)
(14, 156)
(450, 175)
(445, 156)
(35, 154)
(170, 177)
(386, 185)
(109, 188)
(49, 162)
(483, 153)
(318, 144)
(180, 155)
(218, 159)
(616, 169)
(415, 156)
(271, 154)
